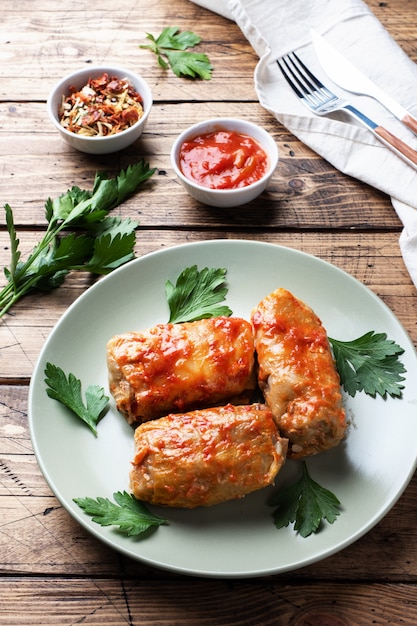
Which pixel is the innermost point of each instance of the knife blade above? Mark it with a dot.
(343, 73)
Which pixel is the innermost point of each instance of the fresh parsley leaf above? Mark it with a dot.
(51, 281)
(63, 253)
(191, 64)
(105, 244)
(196, 295)
(130, 515)
(171, 48)
(369, 363)
(68, 391)
(306, 503)
(58, 209)
(48, 270)
(113, 245)
(129, 179)
(172, 38)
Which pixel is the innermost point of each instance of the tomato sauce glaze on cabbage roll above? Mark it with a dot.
(297, 374)
(173, 368)
(207, 456)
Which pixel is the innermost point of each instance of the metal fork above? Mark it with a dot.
(321, 101)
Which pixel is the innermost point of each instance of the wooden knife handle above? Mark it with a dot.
(399, 146)
(411, 122)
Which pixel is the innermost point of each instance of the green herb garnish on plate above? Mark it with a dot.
(68, 391)
(130, 515)
(196, 295)
(306, 503)
(369, 363)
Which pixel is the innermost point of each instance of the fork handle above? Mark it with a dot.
(400, 147)
(410, 121)
(397, 145)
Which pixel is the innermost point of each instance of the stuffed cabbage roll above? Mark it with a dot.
(207, 456)
(173, 368)
(297, 374)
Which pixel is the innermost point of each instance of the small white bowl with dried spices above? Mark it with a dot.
(100, 109)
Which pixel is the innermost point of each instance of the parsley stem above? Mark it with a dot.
(18, 287)
(53, 257)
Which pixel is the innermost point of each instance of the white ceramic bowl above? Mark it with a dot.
(226, 197)
(111, 143)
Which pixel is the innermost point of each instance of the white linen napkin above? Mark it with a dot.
(275, 27)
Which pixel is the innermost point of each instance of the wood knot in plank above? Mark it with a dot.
(296, 183)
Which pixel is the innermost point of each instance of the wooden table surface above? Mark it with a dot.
(52, 570)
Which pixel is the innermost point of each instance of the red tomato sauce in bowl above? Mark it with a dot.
(223, 159)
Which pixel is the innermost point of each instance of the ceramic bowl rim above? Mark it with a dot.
(62, 85)
(227, 123)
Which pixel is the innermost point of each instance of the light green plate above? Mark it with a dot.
(238, 539)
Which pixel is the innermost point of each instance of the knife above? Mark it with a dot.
(347, 76)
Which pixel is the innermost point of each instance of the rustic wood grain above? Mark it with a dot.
(46, 41)
(305, 192)
(52, 571)
(270, 603)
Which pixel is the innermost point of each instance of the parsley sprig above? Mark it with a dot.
(68, 391)
(130, 515)
(306, 503)
(171, 49)
(370, 364)
(196, 295)
(105, 242)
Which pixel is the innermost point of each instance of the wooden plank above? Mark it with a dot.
(305, 192)
(37, 535)
(273, 602)
(399, 19)
(47, 41)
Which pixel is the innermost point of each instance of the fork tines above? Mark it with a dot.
(302, 80)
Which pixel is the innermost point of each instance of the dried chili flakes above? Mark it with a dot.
(104, 106)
